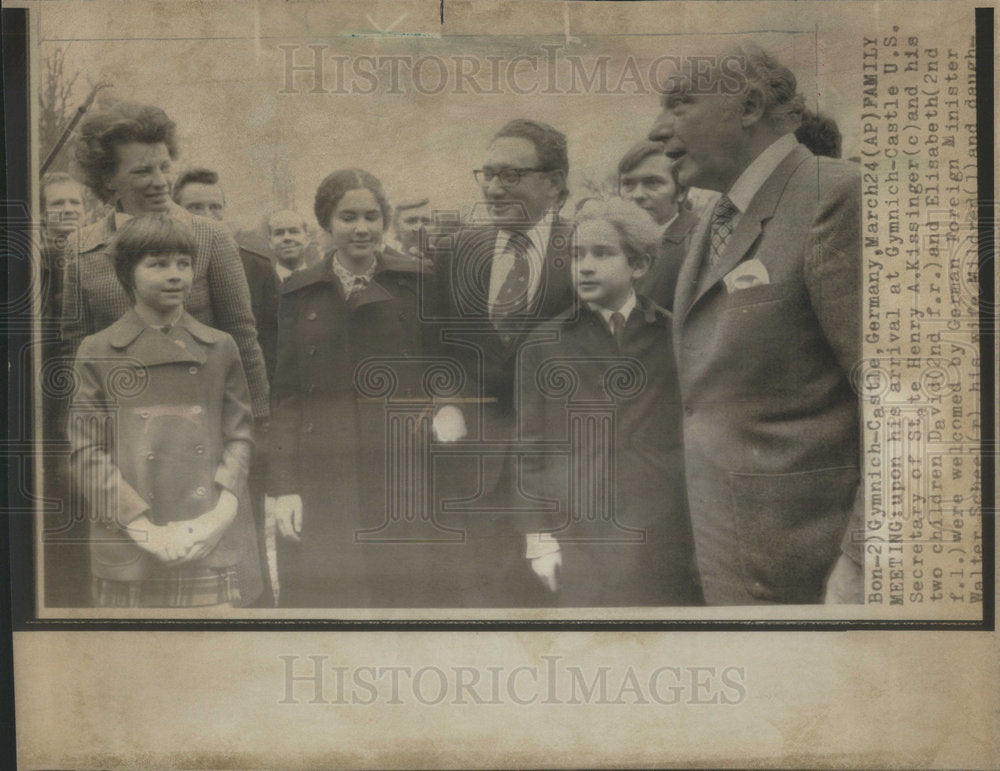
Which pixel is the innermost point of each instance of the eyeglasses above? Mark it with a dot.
(508, 177)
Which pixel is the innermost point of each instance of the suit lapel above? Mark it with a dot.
(556, 281)
(687, 278)
(747, 232)
(680, 228)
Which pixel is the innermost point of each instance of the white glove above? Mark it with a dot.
(288, 516)
(547, 569)
(449, 424)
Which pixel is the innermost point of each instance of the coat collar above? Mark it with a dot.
(748, 229)
(388, 261)
(645, 310)
(184, 342)
(681, 227)
(100, 233)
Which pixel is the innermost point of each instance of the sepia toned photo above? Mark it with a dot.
(465, 359)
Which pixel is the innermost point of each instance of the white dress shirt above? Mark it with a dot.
(606, 313)
(755, 175)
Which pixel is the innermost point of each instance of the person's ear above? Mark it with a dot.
(557, 179)
(753, 107)
(640, 266)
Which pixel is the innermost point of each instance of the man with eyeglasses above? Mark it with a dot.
(500, 277)
(644, 177)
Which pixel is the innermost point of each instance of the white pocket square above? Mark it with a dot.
(746, 275)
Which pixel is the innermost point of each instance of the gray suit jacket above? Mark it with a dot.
(771, 423)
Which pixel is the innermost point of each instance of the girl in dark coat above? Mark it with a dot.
(353, 525)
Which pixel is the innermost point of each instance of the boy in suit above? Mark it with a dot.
(604, 381)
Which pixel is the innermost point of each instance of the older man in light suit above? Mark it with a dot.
(767, 334)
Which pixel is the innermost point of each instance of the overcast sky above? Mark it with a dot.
(225, 92)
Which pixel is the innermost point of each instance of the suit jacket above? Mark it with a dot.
(463, 262)
(159, 425)
(265, 286)
(660, 282)
(771, 422)
(94, 299)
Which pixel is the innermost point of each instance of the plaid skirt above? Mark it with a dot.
(189, 586)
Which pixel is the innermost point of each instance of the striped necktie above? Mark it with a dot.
(512, 299)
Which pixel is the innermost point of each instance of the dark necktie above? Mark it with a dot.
(512, 299)
(721, 228)
(618, 328)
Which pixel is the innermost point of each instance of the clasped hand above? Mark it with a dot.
(189, 540)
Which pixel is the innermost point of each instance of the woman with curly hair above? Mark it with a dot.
(125, 155)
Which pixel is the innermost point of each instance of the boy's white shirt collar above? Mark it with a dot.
(625, 310)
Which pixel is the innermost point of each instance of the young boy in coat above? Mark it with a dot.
(160, 428)
(600, 405)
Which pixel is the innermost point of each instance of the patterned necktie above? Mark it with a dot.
(512, 299)
(721, 228)
(618, 328)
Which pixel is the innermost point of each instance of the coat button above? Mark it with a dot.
(196, 410)
(402, 317)
(312, 350)
(192, 370)
(200, 492)
(309, 428)
(150, 495)
(150, 456)
(200, 450)
(144, 415)
(311, 315)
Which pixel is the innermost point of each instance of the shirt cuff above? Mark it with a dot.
(540, 544)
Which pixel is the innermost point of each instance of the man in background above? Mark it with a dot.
(411, 217)
(644, 177)
(288, 235)
(67, 563)
(198, 190)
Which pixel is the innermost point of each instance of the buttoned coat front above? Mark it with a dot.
(344, 365)
(159, 425)
(771, 424)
